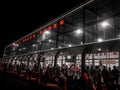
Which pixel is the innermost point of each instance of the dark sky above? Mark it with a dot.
(19, 18)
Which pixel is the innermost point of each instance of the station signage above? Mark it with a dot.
(50, 27)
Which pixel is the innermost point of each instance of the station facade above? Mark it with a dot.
(83, 36)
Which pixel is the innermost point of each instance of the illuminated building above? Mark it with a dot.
(84, 35)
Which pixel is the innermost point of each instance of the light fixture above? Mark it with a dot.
(69, 45)
(47, 32)
(52, 48)
(49, 40)
(100, 40)
(105, 24)
(33, 45)
(59, 47)
(78, 31)
(99, 49)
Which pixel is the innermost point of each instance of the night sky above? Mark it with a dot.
(19, 18)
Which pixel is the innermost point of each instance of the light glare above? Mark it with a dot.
(47, 32)
(105, 24)
(78, 31)
(100, 39)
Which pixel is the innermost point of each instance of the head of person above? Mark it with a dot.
(100, 62)
(114, 67)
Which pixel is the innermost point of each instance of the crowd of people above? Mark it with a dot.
(73, 78)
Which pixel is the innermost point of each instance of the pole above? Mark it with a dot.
(83, 53)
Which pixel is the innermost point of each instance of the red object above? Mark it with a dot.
(30, 37)
(45, 30)
(49, 27)
(54, 25)
(33, 35)
(61, 22)
(40, 32)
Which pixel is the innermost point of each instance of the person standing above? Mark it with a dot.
(101, 66)
(115, 74)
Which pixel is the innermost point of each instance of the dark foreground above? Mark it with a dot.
(11, 82)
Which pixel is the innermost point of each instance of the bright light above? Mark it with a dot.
(44, 36)
(59, 47)
(68, 57)
(20, 49)
(81, 42)
(33, 45)
(100, 40)
(99, 49)
(49, 40)
(47, 32)
(105, 24)
(24, 48)
(78, 31)
(52, 48)
(69, 45)
(14, 44)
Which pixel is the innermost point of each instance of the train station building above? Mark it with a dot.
(83, 36)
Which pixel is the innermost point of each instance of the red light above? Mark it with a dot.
(40, 32)
(30, 37)
(61, 22)
(54, 25)
(33, 35)
(45, 30)
(50, 27)
(25, 39)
